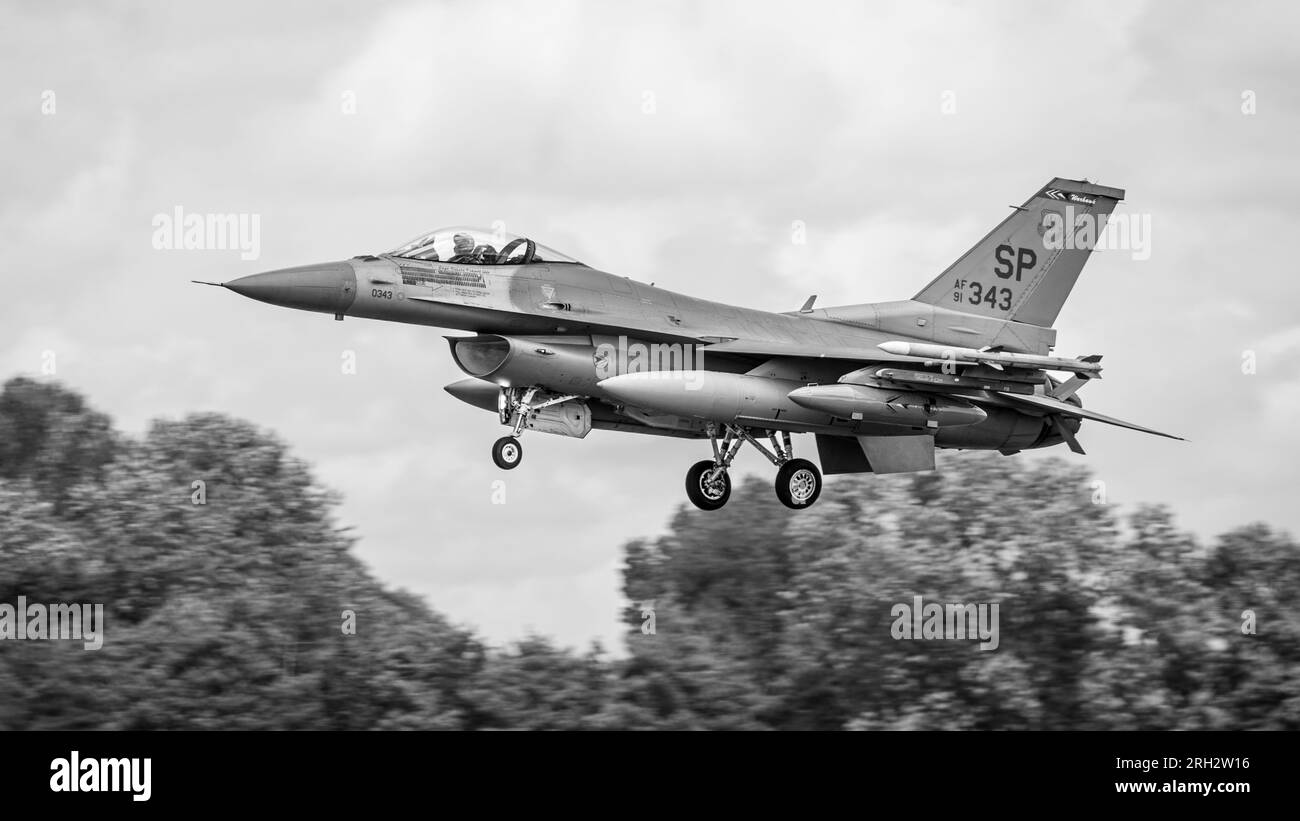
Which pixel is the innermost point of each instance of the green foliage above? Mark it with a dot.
(229, 614)
(1104, 623)
(226, 614)
(49, 437)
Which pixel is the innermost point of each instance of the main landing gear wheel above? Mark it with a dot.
(798, 483)
(507, 453)
(708, 489)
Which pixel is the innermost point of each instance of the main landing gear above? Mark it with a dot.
(798, 481)
(516, 408)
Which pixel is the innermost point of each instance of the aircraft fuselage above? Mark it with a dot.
(580, 310)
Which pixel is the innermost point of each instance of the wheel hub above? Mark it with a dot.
(711, 484)
(802, 484)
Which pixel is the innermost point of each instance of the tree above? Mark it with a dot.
(222, 614)
(233, 599)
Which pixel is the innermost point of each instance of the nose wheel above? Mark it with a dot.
(507, 452)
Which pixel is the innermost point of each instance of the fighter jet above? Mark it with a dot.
(559, 347)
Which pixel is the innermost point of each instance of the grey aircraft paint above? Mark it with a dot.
(561, 347)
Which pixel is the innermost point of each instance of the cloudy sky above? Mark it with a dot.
(673, 142)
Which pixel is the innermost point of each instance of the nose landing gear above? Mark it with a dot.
(516, 409)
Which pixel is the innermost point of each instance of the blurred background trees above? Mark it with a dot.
(229, 614)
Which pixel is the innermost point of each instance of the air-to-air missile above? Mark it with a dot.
(946, 353)
(978, 378)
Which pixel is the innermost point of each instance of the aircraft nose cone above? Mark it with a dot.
(328, 287)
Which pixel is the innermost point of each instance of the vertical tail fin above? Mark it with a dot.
(1025, 267)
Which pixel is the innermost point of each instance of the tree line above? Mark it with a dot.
(226, 614)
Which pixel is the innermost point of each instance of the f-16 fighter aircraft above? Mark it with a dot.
(560, 347)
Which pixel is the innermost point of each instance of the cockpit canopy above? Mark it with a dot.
(478, 246)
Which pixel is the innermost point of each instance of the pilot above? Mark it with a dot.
(463, 250)
(485, 254)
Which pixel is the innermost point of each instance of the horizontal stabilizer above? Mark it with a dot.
(1050, 405)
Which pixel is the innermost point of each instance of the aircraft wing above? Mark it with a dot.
(1045, 404)
(1050, 405)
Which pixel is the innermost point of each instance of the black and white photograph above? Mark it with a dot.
(875, 373)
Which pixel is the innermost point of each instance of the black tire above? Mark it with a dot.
(705, 496)
(798, 484)
(507, 453)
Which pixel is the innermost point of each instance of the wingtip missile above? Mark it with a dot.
(946, 353)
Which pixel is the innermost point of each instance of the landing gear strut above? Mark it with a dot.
(798, 481)
(515, 407)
